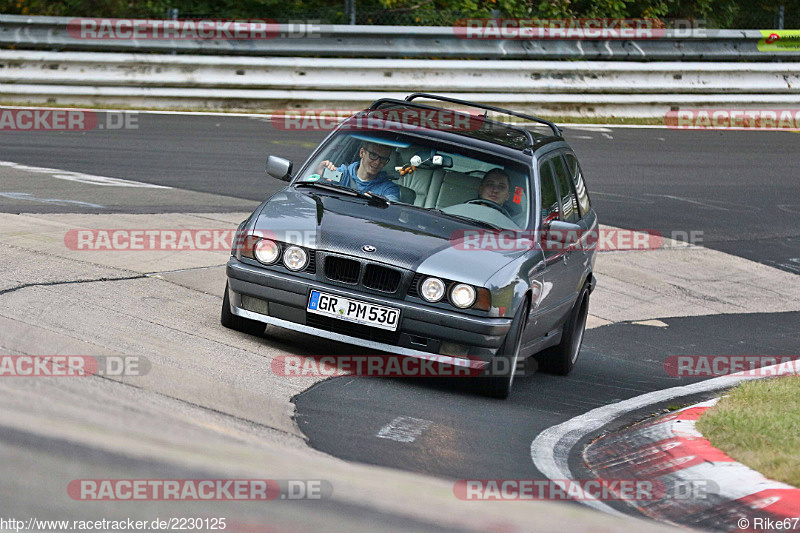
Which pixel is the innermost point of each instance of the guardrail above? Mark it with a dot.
(50, 33)
(47, 65)
(598, 88)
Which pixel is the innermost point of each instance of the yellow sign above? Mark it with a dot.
(779, 41)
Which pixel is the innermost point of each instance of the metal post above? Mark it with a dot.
(351, 11)
(172, 13)
(780, 17)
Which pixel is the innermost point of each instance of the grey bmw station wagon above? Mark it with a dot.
(429, 232)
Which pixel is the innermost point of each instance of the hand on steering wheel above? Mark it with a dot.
(488, 203)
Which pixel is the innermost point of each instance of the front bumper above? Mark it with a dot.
(421, 333)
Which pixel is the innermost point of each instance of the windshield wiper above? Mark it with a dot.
(377, 198)
(458, 217)
(468, 220)
(373, 198)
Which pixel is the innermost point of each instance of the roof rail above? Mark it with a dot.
(377, 103)
(551, 125)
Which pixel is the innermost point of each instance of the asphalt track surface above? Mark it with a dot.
(739, 189)
(470, 437)
(61, 461)
(736, 190)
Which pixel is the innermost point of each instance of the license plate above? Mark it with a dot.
(353, 310)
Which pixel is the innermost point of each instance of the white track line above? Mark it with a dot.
(80, 177)
(550, 450)
(571, 125)
(55, 201)
(404, 429)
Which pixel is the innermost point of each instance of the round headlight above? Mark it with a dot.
(432, 289)
(266, 251)
(462, 295)
(295, 258)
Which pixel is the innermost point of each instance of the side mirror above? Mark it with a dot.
(279, 168)
(563, 232)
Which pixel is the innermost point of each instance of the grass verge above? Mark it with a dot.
(758, 424)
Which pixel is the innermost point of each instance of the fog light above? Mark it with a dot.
(456, 350)
(256, 305)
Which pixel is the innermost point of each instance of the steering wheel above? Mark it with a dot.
(488, 203)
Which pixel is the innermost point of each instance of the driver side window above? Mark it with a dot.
(550, 210)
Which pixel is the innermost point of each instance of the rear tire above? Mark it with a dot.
(499, 386)
(561, 359)
(231, 321)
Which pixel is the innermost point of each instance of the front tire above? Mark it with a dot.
(499, 386)
(561, 359)
(238, 323)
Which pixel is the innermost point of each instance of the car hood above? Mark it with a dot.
(402, 236)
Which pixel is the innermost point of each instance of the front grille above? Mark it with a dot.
(341, 269)
(354, 330)
(381, 278)
(413, 288)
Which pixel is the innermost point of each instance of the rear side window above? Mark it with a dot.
(550, 210)
(577, 179)
(569, 202)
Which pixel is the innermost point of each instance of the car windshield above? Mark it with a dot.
(427, 174)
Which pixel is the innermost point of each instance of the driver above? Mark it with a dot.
(496, 187)
(367, 174)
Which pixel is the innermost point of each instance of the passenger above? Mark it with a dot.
(367, 174)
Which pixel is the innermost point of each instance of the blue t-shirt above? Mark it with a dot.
(381, 185)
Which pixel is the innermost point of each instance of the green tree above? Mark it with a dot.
(717, 13)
